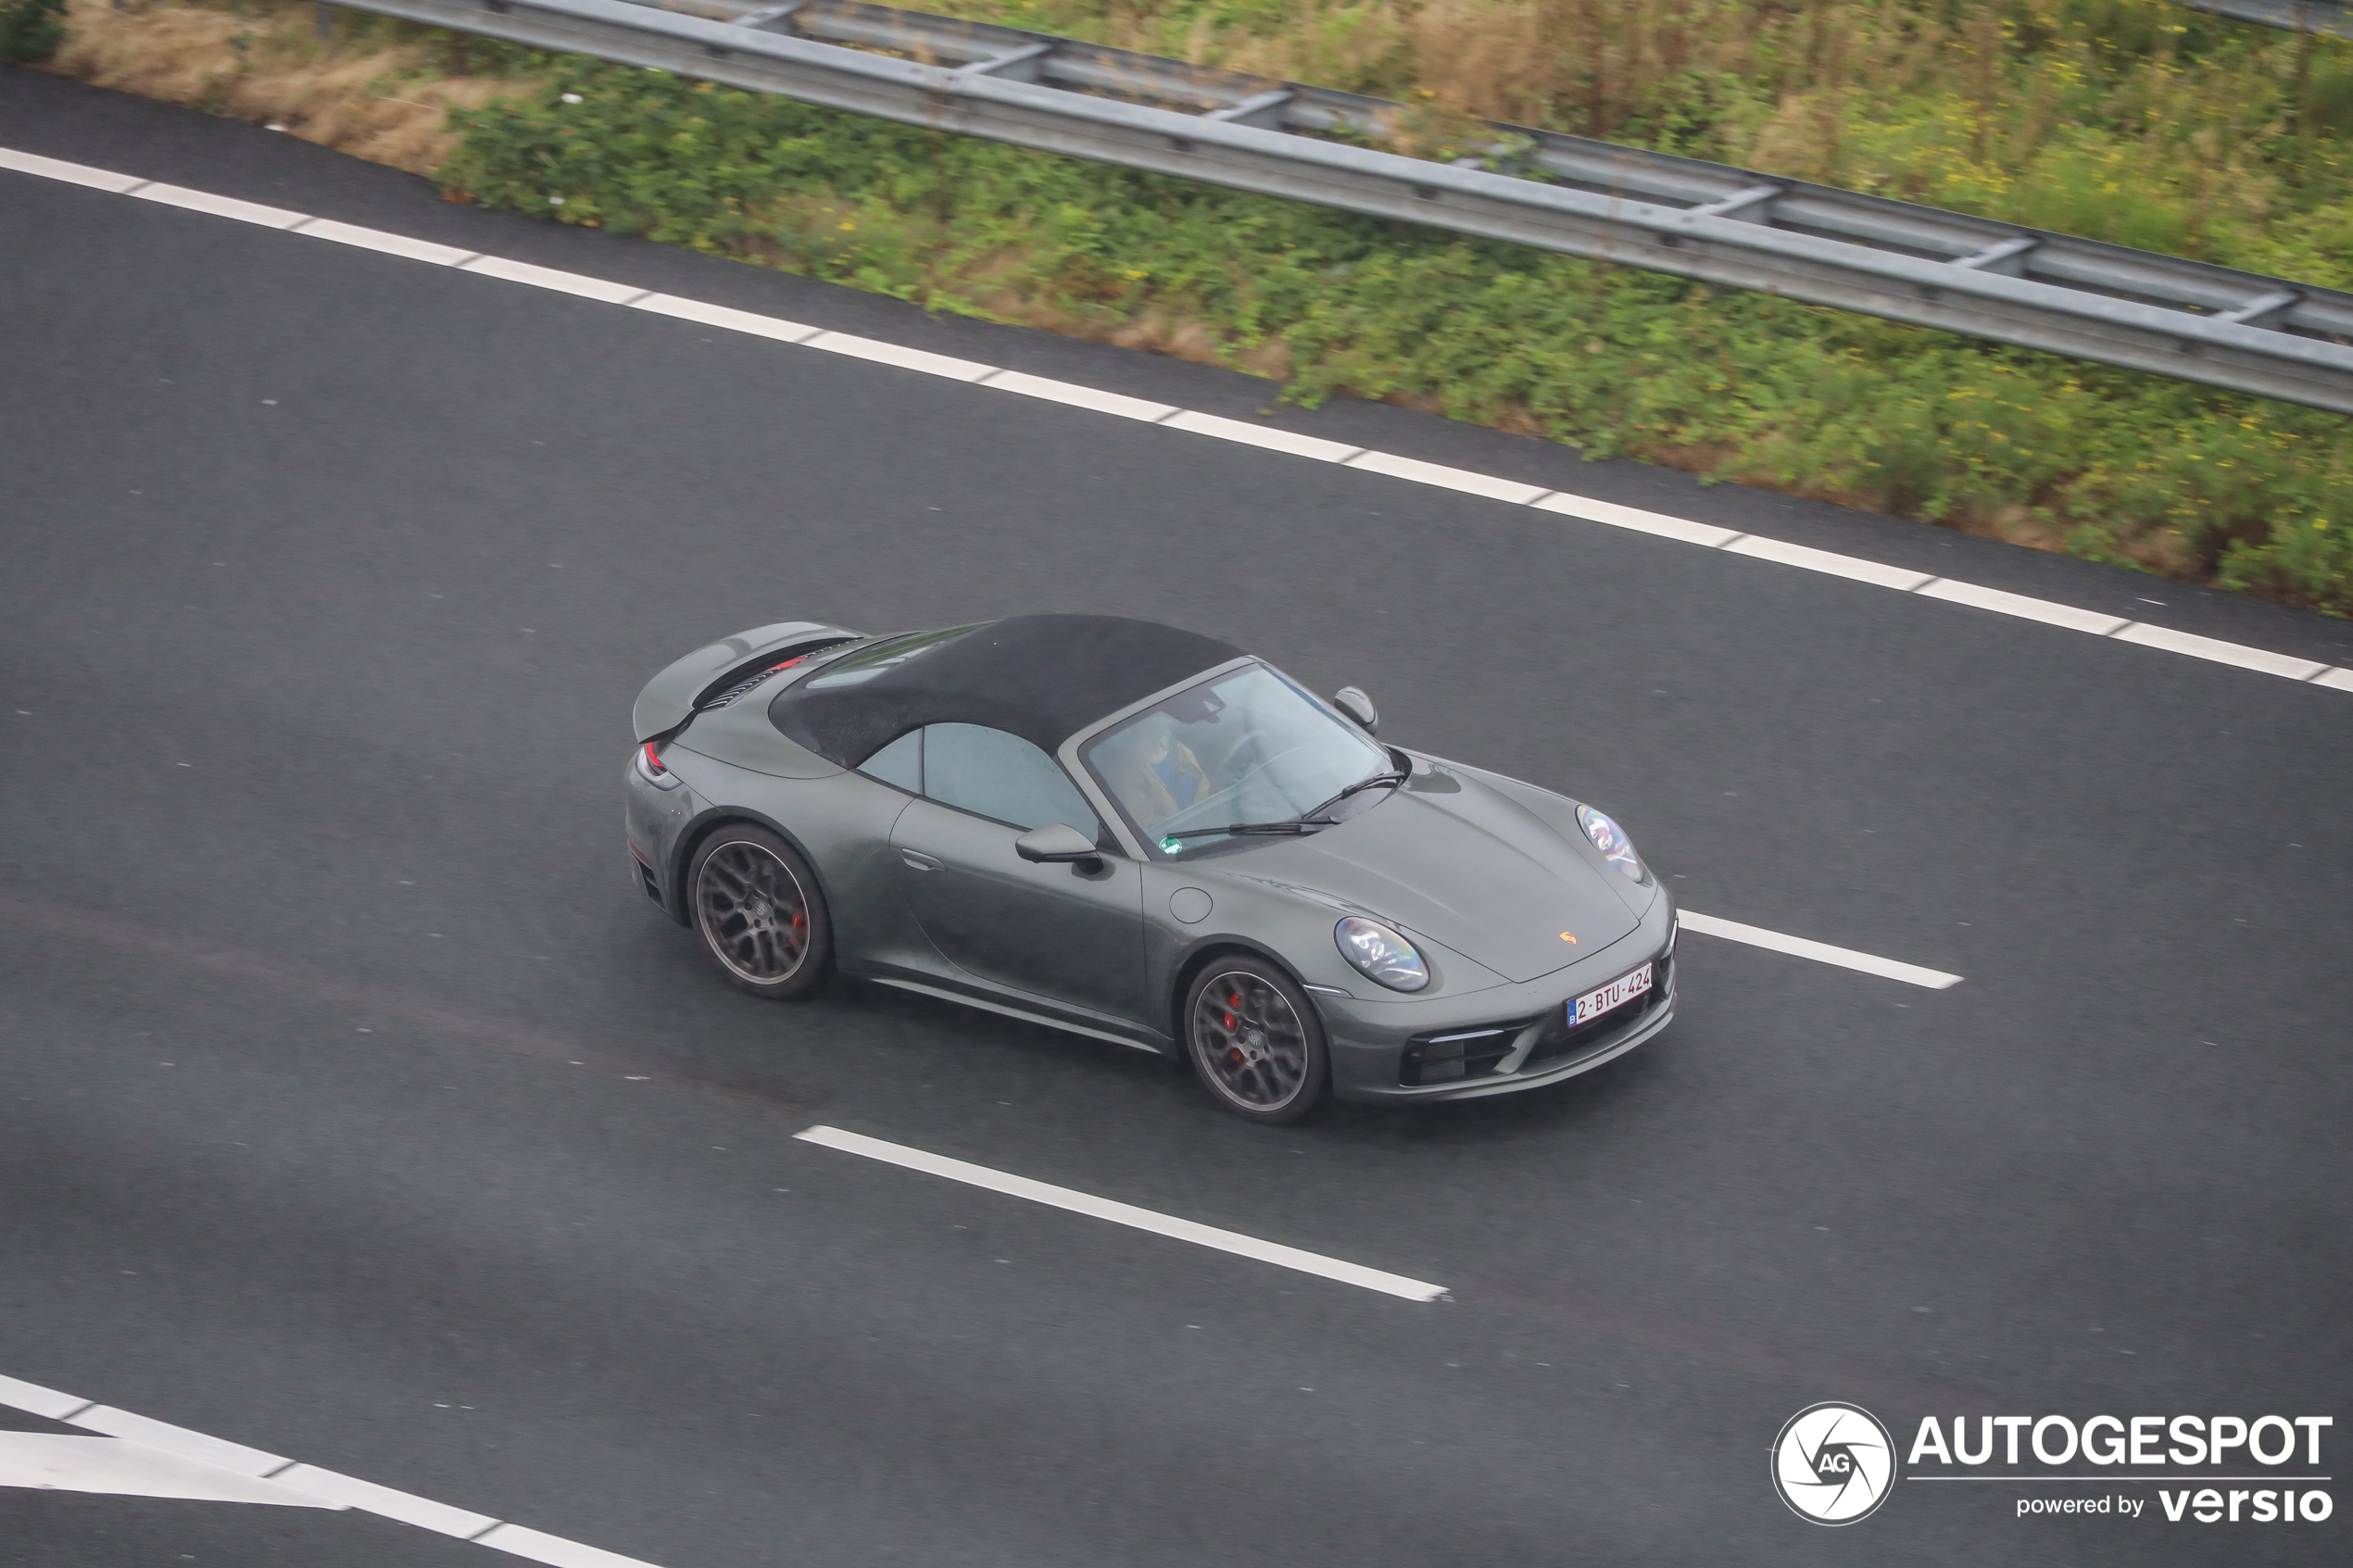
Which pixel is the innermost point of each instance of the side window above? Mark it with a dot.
(900, 763)
(999, 776)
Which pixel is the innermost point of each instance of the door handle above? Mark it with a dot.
(918, 863)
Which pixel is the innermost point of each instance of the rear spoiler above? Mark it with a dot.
(670, 697)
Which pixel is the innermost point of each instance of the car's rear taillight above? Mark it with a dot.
(650, 769)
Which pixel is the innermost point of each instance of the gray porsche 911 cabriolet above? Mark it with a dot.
(1148, 836)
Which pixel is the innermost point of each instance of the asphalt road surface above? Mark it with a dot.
(353, 1105)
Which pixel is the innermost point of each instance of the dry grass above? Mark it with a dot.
(372, 95)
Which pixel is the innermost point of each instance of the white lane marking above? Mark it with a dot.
(722, 316)
(1562, 503)
(1078, 396)
(179, 1440)
(2221, 652)
(1902, 578)
(220, 206)
(54, 1462)
(391, 244)
(345, 1491)
(1122, 1213)
(1272, 440)
(1821, 952)
(554, 1549)
(71, 173)
(550, 278)
(33, 1398)
(920, 359)
(1446, 478)
(234, 1462)
(2044, 611)
(1590, 510)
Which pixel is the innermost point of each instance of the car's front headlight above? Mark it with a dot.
(1381, 953)
(1611, 840)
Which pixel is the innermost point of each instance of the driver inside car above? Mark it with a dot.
(1165, 777)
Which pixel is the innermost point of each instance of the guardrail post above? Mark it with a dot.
(1729, 228)
(326, 21)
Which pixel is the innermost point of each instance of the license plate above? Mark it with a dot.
(1619, 992)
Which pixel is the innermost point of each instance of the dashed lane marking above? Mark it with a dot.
(1820, 952)
(1122, 1213)
(1490, 486)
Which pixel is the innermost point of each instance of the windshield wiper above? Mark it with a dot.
(1294, 824)
(1301, 823)
(1388, 778)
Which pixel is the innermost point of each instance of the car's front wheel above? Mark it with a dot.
(760, 911)
(1255, 1040)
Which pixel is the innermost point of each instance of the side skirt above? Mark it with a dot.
(1023, 1013)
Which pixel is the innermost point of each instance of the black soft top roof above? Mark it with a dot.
(1043, 677)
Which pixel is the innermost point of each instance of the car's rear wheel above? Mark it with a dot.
(1255, 1040)
(760, 911)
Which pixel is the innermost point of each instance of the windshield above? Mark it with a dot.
(1246, 747)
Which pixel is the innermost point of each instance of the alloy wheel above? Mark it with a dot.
(753, 912)
(1250, 1041)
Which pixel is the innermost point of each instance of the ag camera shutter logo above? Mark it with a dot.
(1833, 1463)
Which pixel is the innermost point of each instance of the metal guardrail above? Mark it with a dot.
(2330, 18)
(1721, 225)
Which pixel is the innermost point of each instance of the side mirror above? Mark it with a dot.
(1352, 701)
(1057, 845)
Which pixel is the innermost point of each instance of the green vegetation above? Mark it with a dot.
(2102, 463)
(30, 29)
(2139, 121)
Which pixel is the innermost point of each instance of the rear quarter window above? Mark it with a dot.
(991, 773)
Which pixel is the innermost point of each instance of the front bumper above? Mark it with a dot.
(1370, 1040)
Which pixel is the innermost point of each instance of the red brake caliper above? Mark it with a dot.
(1233, 1002)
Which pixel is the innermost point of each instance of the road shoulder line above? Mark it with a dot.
(1510, 492)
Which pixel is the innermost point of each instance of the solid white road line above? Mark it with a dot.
(33, 1399)
(1640, 522)
(1268, 436)
(1510, 491)
(377, 240)
(71, 173)
(141, 1454)
(1821, 952)
(1463, 480)
(54, 1462)
(1078, 397)
(722, 316)
(904, 359)
(2221, 653)
(346, 1491)
(1122, 1214)
(220, 206)
(2002, 603)
(550, 278)
(1901, 579)
(179, 1440)
(553, 1550)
